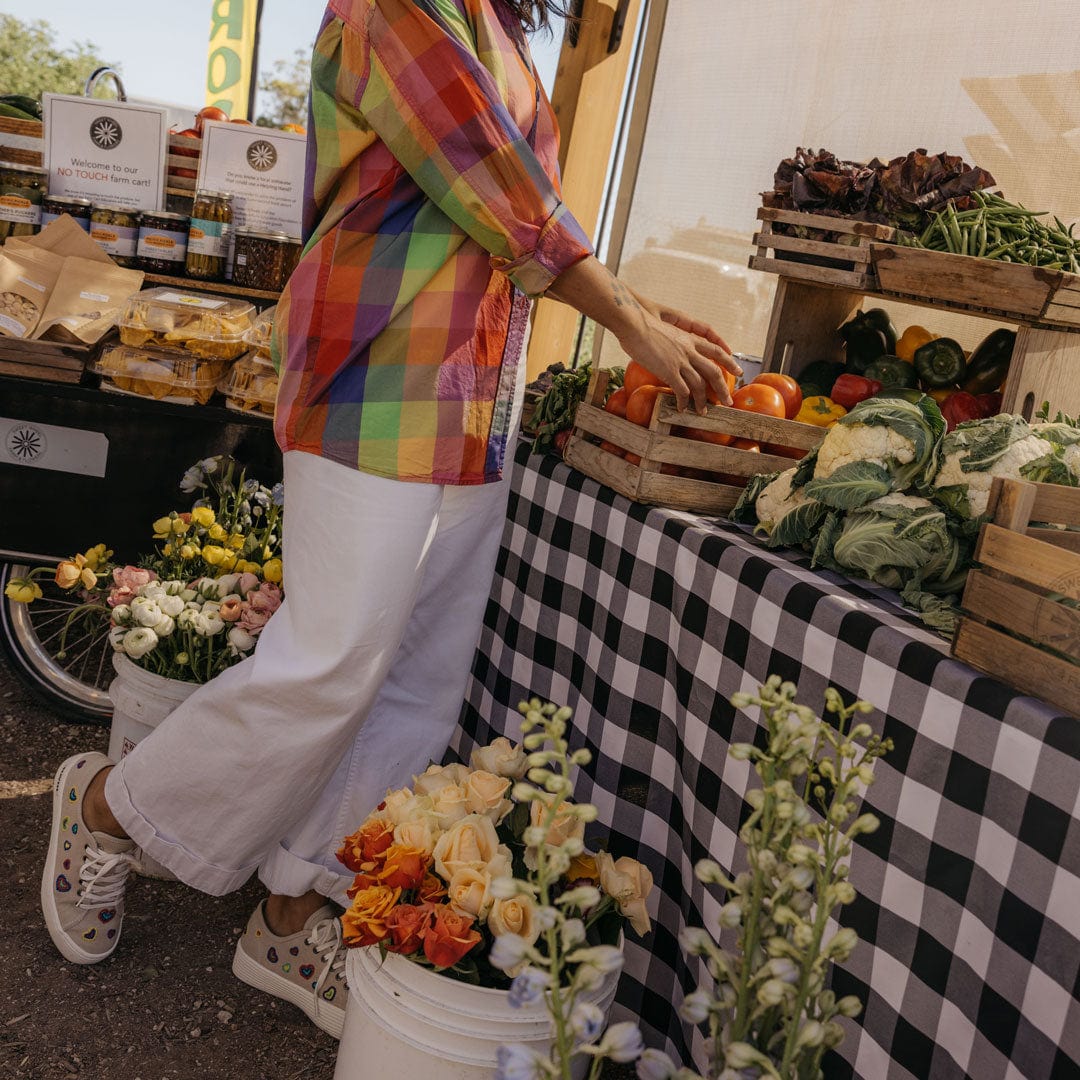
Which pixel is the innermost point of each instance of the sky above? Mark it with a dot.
(161, 45)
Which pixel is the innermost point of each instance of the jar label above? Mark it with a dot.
(48, 217)
(115, 239)
(15, 206)
(190, 301)
(208, 238)
(162, 244)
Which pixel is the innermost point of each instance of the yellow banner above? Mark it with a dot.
(230, 68)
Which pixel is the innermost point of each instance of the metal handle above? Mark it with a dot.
(97, 75)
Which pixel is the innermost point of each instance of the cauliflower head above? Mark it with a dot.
(776, 500)
(844, 445)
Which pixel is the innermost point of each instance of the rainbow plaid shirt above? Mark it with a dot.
(432, 213)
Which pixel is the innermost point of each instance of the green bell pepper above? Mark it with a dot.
(892, 372)
(818, 377)
(940, 363)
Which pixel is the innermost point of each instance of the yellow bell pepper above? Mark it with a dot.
(914, 337)
(943, 394)
(820, 411)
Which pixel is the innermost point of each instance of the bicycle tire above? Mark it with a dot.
(74, 685)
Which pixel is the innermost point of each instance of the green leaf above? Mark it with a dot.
(955, 498)
(1049, 469)
(851, 486)
(826, 541)
(743, 511)
(798, 525)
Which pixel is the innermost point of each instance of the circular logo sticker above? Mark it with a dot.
(261, 155)
(106, 133)
(26, 443)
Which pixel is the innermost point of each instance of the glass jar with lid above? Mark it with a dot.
(53, 206)
(163, 241)
(22, 187)
(116, 229)
(209, 235)
(264, 260)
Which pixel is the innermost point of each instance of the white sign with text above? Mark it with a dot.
(110, 152)
(262, 168)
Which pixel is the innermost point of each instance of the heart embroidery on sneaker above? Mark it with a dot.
(107, 915)
(330, 994)
(295, 950)
(81, 764)
(111, 933)
(91, 933)
(64, 824)
(62, 884)
(67, 843)
(271, 955)
(73, 795)
(74, 827)
(67, 864)
(306, 971)
(286, 968)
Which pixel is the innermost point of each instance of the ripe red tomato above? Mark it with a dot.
(788, 388)
(639, 405)
(186, 151)
(711, 396)
(637, 376)
(758, 398)
(747, 444)
(209, 112)
(611, 448)
(616, 404)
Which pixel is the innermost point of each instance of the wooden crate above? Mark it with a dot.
(657, 446)
(1012, 291)
(52, 361)
(22, 141)
(1021, 620)
(182, 184)
(838, 252)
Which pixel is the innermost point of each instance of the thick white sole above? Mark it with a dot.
(248, 970)
(60, 937)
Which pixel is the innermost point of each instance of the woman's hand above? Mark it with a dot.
(685, 353)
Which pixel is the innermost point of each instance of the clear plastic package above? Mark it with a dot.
(250, 385)
(162, 374)
(206, 326)
(258, 336)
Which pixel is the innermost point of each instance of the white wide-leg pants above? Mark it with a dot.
(356, 684)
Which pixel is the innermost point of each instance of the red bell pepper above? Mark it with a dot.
(989, 403)
(959, 407)
(849, 390)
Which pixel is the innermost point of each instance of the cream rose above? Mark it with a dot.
(402, 805)
(449, 805)
(432, 781)
(458, 773)
(628, 883)
(566, 826)
(419, 833)
(485, 793)
(514, 916)
(469, 844)
(469, 892)
(500, 758)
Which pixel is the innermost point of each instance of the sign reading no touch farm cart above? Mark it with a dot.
(110, 152)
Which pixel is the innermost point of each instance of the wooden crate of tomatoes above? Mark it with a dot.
(636, 441)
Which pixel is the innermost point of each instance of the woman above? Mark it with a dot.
(433, 213)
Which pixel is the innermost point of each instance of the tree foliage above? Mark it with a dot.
(284, 92)
(31, 61)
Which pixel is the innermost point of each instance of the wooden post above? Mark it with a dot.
(588, 75)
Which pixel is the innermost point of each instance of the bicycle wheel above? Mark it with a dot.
(75, 684)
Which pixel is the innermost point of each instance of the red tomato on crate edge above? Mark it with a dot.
(761, 399)
(787, 387)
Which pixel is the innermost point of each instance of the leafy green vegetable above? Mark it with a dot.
(851, 485)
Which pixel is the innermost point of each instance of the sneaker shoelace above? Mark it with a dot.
(325, 939)
(102, 878)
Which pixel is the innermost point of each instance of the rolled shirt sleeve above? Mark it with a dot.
(439, 111)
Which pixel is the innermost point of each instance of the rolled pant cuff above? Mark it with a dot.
(189, 868)
(287, 874)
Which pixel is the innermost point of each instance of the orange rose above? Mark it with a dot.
(403, 867)
(449, 937)
(583, 868)
(365, 922)
(407, 925)
(360, 882)
(432, 889)
(367, 845)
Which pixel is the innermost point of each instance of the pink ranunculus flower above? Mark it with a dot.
(246, 583)
(126, 580)
(232, 607)
(253, 620)
(266, 598)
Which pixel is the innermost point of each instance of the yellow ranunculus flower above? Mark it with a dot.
(228, 562)
(22, 590)
(203, 515)
(69, 572)
(213, 554)
(97, 555)
(272, 570)
(245, 567)
(236, 541)
(162, 528)
(188, 551)
(216, 532)
(167, 549)
(180, 526)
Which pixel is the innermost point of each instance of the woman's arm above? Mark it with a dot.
(678, 349)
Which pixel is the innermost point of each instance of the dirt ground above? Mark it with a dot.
(166, 1005)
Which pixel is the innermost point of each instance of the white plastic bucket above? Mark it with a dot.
(403, 1020)
(141, 700)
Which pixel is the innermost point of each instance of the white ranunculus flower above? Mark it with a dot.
(145, 612)
(241, 640)
(207, 624)
(116, 637)
(187, 595)
(121, 614)
(186, 619)
(171, 605)
(164, 626)
(226, 584)
(153, 591)
(139, 642)
(173, 588)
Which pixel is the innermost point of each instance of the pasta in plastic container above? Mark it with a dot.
(162, 374)
(250, 385)
(212, 327)
(257, 337)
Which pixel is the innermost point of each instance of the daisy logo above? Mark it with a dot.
(26, 443)
(261, 155)
(106, 133)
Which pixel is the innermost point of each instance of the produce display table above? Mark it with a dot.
(645, 621)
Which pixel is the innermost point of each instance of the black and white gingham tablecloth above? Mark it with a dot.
(646, 621)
